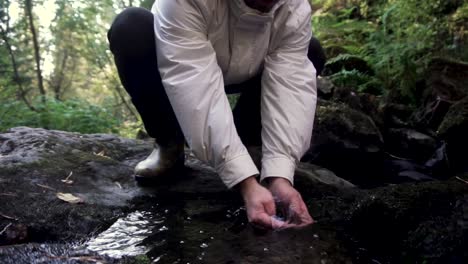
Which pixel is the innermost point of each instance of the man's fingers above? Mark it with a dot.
(298, 213)
(262, 220)
(270, 207)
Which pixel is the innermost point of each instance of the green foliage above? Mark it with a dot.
(397, 38)
(233, 99)
(71, 115)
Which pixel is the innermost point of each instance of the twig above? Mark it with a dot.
(462, 180)
(8, 217)
(5, 229)
(45, 187)
(67, 180)
(396, 157)
(82, 258)
(8, 194)
(118, 185)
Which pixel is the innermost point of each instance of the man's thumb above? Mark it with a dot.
(270, 207)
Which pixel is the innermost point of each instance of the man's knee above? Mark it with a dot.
(131, 30)
(317, 55)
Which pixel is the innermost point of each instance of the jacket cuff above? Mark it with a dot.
(237, 170)
(278, 167)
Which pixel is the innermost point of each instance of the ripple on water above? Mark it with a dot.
(125, 236)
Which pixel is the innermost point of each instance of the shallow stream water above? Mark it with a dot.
(210, 230)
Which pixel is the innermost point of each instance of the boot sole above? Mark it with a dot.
(175, 174)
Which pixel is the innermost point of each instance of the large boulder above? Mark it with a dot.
(446, 83)
(192, 216)
(367, 103)
(410, 144)
(454, 130)
(347, 142)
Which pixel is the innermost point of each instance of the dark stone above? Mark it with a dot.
(142, 134)
(409, 144)
(396, 115)
(364, 102)
(347, 142)
(446, 83)
(454, 130)
(199, 220)
(425, 222)
(13, 234)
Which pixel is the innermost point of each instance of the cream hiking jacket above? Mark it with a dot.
(203, 45)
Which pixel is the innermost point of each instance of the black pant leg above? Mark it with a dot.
(132, 41)
(316, 55)
(247, 116)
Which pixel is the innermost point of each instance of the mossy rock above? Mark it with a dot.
(456, 119)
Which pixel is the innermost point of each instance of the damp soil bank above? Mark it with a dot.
(192, 218)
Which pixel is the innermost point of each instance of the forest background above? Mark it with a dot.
(57, 72)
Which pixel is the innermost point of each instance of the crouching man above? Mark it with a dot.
(178, 61)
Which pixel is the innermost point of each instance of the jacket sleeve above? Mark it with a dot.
(289, 96)
(194, 85)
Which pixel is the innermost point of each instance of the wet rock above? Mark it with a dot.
(446, 83)
(410, 144)
(347, 142)
(364, 102)
(401, 171)
(396, 115)
(195, 219)
(426, 221)
(309, 174)
(454, 130)
(13, 234)
(306, 174)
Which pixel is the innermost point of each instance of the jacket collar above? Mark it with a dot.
(245, 13)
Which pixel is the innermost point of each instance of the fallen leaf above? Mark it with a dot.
(101, 154)
(69, 198)
(67, 180)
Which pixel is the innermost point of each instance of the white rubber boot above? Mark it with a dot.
(161, 161)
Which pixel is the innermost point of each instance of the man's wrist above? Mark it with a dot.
(247, 183)
(273, 181)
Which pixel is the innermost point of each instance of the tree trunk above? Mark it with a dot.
(21, 93)
(58, 83)
(37, 55)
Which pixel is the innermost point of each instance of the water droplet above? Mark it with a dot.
(182, 242)
(265, 249)
(211, 238)
(201, 231)
(204, 245)
(189, 218)
(166, 211)
(316, 236)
